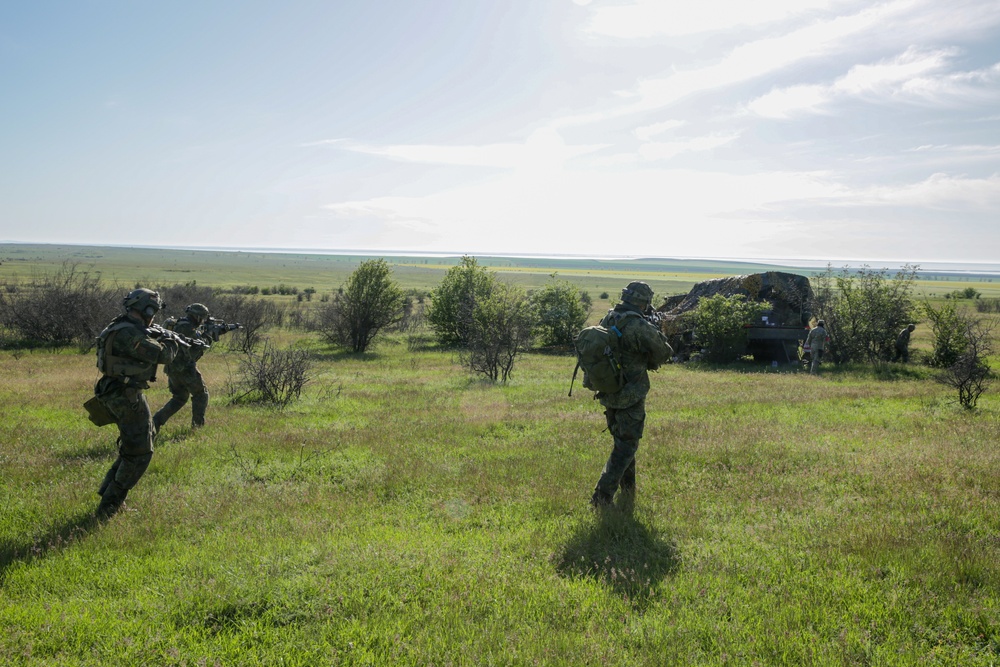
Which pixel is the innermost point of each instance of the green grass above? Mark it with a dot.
(404, 513)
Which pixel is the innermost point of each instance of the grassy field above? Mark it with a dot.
(404, 513)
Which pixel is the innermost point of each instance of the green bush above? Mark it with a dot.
(719, 324)
(370, 303)
(455, 298)
(498, 333)
(561, 311)
(866, 311)
(949, 334)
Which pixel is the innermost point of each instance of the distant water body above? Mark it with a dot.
(975, 268)
(926, 266)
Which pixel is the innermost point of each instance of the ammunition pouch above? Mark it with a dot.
(97, 413)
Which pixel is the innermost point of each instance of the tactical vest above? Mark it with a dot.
(117, 366)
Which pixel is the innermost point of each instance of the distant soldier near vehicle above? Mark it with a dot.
(816, 342)
(128, 351)
(903, 344)
(186, 380)
(642, 348)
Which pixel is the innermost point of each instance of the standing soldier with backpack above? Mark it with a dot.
(639, 347)
(185, 380)
(128, 351)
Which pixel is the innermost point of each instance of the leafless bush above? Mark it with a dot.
(255, 314)
(414, 315)
(271, 376)
(300, 317)
(970, 375)
(178, 297)
(70, 306)
(988, 305)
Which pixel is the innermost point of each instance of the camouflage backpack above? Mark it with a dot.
(597, 353)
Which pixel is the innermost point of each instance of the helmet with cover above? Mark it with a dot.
(144, 300)
(638, 294)
(198, 310)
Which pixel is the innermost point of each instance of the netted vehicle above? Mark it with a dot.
(774, 337)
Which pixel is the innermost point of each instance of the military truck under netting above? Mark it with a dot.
(775, 337)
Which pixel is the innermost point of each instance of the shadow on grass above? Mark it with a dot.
(621, 552)
(56, 538)
(98, 452)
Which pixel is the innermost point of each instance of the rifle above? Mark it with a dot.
(156, 331)
(215, 328)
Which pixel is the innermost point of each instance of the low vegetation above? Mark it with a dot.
(397, 510)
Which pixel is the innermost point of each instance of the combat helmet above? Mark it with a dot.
(638, 294)
(199, 310)
(144, 300)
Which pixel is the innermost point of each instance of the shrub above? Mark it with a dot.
(967, 293)
(719, 324)
(271, 376)
(256, 315)
(970, 374)
(370, 303)
(949, 334)
(71, 306)
(454, 300)
(499, 330)
(561, 311)
(180, 296)
(865, 313)
(988, 305)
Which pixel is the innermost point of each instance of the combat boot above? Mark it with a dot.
(601, 499)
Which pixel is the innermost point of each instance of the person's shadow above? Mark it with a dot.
(621, 552)
(56, 538)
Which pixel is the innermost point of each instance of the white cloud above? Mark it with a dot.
(656, 18)
(751, 60)
(913, 77)
(647, 132)
(939, 191)
(543, 149)
(668, 149)
(665, 209)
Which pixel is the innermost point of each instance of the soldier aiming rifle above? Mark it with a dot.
(128, 351)
(186, 380)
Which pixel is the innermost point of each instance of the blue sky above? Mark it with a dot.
(820, 129)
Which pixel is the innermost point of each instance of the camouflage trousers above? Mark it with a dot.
(184, 385)
(625, 426)
(135, 442)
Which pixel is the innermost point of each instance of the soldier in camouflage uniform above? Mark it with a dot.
(185, 378)
(642, 348)
(128, 351)
(903, 344)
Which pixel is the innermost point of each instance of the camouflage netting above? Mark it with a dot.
(787, 294)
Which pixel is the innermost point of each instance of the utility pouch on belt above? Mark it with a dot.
(97, 413)
(132, 395)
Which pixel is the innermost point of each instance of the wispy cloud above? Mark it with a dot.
(647, 132)
(668, 149)
(654, 18)
(913, 77)
(939, 191)
(543, 148)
